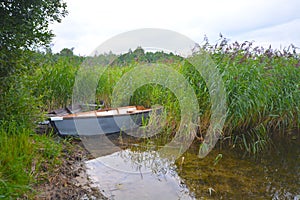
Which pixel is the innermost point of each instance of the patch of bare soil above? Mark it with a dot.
(69, 180)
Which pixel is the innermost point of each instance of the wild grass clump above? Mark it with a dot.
(22, 154)
(55, 83)
(262, 90)
(15, 160)
(107, 81)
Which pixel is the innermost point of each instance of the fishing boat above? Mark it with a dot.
(74, 121)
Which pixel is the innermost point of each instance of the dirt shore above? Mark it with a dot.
(69, 180)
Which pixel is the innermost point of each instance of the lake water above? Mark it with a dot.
(133, 173)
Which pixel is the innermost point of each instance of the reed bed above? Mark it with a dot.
(263, 92)
(262, 86)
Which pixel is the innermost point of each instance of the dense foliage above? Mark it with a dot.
(23, 28)
(139, 55)
(24, 25)
(262, 87)
(263, 91)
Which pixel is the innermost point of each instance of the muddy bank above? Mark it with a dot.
(69, 180)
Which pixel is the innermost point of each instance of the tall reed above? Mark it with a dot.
(262, 86)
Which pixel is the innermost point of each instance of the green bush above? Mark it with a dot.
(19, 105)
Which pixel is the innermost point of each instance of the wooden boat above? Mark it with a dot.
(97, 122)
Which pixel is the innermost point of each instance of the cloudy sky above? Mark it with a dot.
(92, 22)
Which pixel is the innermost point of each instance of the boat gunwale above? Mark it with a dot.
(66, 117)
(93, 114)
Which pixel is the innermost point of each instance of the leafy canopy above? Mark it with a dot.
(24, 23)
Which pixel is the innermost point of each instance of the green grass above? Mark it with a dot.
(21, 156)
(262, 86)
(263, 95)
(54, 83)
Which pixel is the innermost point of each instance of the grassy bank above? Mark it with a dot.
(23, 155)
(39, 166)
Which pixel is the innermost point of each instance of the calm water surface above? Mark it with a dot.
(134, 173)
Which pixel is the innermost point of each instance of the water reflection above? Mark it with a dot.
(136, 175)
(142, 174)
(272, 175)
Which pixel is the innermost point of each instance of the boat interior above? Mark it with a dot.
(109, 111)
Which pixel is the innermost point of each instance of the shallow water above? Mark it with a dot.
(272, 175)
(120, 178)
(223, 174)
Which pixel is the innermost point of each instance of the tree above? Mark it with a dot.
(67, 52)
(24, 24)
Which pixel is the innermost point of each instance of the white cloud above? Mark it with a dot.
(280, 36)
(92, 22)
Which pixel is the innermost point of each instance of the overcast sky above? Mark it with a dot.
(92, 22)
